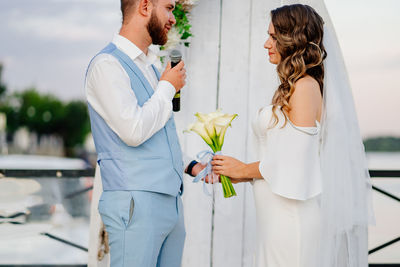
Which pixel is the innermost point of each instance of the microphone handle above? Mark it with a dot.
(176, 101)
(173, 64)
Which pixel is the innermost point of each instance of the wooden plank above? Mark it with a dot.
(199, 95)
(263, 81)
(233, 94)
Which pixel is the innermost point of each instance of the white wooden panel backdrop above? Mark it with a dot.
(227, 68)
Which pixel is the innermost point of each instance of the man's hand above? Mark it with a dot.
(198, 168)
(176, 75)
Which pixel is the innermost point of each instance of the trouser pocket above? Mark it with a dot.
(128, 213)
(131, 209)
(117, 208)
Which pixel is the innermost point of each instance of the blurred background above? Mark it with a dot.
(45, 48)
(47, 44)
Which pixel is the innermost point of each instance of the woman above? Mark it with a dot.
(297, 204)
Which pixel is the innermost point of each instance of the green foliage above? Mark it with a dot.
(182, 25)
(45, 114)
(12, 116)
(2, 85)
(76, 123)
(383, 144)
(182, 22)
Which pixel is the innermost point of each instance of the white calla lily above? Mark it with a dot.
(212, 128)
(199, 128)
(221, 130)
(201, 117)
(221, 125)
(209, 126)
(210, 116)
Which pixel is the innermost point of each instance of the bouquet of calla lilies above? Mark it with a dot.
(212, 128)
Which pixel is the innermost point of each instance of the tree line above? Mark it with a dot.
(45, 114)
(382, 144)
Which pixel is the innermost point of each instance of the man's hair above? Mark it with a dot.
(127, 6)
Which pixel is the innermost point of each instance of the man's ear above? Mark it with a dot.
(145, 7)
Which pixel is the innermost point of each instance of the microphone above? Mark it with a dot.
(176, 57)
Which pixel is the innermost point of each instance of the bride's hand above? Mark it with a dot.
(228, 166)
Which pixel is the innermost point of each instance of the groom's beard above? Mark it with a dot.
(157, 31)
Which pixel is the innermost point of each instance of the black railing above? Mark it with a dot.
(91, 172)
(47, 173)
(385, 174)
(58, 174)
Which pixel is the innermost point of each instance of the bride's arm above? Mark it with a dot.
(235, 169)
(304, 109)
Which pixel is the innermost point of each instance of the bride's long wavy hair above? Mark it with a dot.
(299, 32)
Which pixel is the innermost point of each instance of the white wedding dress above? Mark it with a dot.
(288, 198)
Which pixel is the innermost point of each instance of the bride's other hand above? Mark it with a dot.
(212, 179)
(197, 168)
(217, 179)
(228, 166)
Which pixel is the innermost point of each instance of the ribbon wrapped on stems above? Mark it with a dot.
(212, 128)
(205, 158)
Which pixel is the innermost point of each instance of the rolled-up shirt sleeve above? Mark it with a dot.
(109, 92)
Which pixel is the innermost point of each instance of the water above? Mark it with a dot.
(46, 209)
(14, 242)
(384, 160)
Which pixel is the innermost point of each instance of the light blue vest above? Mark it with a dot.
(156, 165)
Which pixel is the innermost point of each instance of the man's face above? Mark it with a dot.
(161, 21)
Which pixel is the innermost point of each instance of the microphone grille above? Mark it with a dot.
(175, 56)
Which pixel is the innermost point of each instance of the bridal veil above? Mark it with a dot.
(346, 201)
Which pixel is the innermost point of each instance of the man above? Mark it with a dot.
(134, 131)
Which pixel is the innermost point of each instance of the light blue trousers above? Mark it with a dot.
(145, 229)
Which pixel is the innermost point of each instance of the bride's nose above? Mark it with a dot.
(267, 44)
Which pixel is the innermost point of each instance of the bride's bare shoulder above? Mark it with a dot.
(305, 102)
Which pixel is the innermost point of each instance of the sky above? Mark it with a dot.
(369, 35)
(47, 44)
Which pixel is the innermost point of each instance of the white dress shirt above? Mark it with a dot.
(108, 91)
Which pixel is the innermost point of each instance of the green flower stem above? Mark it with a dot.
(227, 187)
